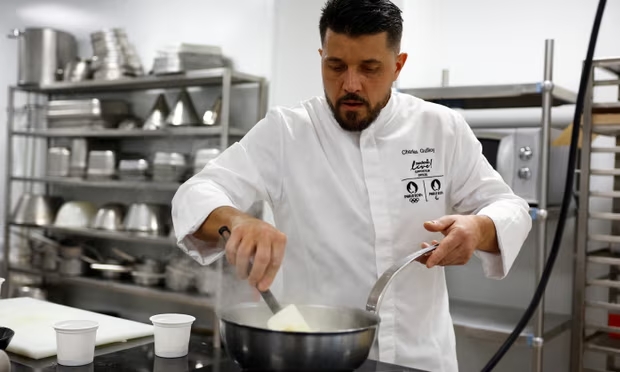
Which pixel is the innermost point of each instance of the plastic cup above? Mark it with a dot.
(75, 342)
(172, 333)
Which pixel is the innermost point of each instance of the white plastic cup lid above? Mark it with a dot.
(76, 326)
(172, 320)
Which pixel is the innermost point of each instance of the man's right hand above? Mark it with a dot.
(249, 238)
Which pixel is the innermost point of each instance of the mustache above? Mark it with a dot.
(351, 97)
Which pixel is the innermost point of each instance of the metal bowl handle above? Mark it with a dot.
(376, 294)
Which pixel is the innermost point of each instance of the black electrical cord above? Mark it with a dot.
(568, 194)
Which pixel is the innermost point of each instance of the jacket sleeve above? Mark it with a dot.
(245, 173)
(476, 188)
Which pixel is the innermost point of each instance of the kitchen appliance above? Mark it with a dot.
(58, 159)
(342, 340)
(43, 54)
(24, 315)
(516, 154)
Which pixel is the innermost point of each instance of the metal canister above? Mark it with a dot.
(43, 54)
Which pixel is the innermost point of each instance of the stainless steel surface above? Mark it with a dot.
(77, 70)
(343, 342)
(606, 105)
(191, 78)
(341, 338)
(8, 189)
(604, 256)
(611, 64)
(101, 164)
(112, 133)
(211, 116)
(106, 235)
(111, 184)
(43, 54)
(119, 287)
(35, 209)
(524, 173)
(156, 118)
(605, 172)
(133, 169)
(79, 158)
(605, 194)
(493, 96)
(376, 294)
(116, 58)
(75, 214)
(227, 81)
(582, 236)
(109, 217)
(602, 343)
(605, 216)
(169, 167)
(603, 238)
(147, 279)
(145, 219)
(183, 112)
(541, 236)
(493, 322)
(58, 159)
(86, 113)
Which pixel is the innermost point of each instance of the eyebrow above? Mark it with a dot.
(366, 61)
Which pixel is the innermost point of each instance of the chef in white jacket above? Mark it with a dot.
(358, 179)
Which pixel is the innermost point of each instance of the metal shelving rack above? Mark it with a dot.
(225, 78)
(597, 250)
(497, 322)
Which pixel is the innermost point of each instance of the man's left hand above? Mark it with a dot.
(463, 235)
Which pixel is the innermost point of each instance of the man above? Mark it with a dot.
(357, 180)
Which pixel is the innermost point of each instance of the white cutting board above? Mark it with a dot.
(33, 320)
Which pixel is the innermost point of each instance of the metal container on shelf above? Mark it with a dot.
(133, 169)
(169, 166)
(203, 157)
(71, 263)
(93, 112)
(145, 219)
(43, 54)
(79, 158)
(109, 217)
(101, 164)
(58, 159)
(33, 209)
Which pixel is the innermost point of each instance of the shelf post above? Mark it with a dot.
(541, 232)
(579, 278)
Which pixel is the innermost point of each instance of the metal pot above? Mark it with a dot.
(43, 54)
(342, 340)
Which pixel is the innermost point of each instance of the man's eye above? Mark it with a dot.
(337, 68)
(370, 70)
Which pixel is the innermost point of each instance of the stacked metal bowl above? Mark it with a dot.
(115, 58)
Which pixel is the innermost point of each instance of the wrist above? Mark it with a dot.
(487, 235)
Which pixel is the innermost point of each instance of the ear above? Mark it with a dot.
(400, 63)
(321, 52)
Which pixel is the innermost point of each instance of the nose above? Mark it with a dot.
(352, 82)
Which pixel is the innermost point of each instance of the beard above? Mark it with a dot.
(355, 121)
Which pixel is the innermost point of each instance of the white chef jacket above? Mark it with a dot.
(351, 204)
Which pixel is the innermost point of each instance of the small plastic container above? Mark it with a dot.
(172, 333)
(75, 342)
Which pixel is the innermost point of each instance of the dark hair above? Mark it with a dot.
(363, 17)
